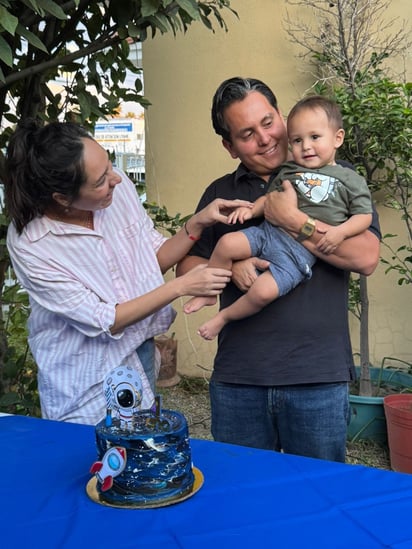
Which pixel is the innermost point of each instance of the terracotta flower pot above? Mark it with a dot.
(368, 420)
(168, 375)
(398, 412)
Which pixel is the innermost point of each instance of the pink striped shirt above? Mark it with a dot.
(74, 278)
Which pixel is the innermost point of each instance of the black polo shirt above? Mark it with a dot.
(300, 338)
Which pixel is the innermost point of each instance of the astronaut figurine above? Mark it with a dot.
(124, 392)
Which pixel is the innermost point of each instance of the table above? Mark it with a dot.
(250, 498)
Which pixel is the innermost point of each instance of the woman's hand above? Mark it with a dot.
(199, 281)
(216, 211)
(177, 246)
(204, 281)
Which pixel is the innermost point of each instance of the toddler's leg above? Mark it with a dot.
(230, 247)
(262, 292)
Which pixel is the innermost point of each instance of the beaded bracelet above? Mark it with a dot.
(194, 238)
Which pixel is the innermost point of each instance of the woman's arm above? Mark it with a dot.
(176, 247)
(358, 254)
(197, 282)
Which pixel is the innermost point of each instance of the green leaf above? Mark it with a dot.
(84, 103)
(6, 54)
(31, 4)
(9, 398)
(121, 11)
(51, 7)
(149, 7)
(7, 20)
(190, 7)
(161, 22)
(31, 38)
(11, 118)
(133, 30)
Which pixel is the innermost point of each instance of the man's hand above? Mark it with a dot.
(244, 272)
(281, 209)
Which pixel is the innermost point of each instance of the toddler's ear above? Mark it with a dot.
(339, 137)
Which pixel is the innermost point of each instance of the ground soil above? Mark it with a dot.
(191, 397)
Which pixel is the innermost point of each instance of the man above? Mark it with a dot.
(280, 378)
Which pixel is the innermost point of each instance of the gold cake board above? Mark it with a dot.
(91, 489)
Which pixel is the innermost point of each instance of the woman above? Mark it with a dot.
(91, 261)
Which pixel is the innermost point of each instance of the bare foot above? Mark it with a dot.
(196, 303)
(210, 329)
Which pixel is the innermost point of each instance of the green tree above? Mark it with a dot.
(350, 46)
(85, 46)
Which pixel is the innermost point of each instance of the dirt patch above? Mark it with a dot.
(191, 397)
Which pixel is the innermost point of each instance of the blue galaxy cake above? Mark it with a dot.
(146, 462)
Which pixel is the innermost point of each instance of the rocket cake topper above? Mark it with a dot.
(124, 392)
(112, 464)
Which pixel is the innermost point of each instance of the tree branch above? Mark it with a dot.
(57, 61)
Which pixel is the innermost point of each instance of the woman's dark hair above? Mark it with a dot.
(236, 89)
(40, 161)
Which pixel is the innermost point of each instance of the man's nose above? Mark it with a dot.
(263, 137)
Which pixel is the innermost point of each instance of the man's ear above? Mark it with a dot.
(61, 199)
(283, 118)
(228, 146)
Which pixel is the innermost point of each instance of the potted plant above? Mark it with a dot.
(368, 418)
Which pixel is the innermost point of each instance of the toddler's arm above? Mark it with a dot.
(334, 236)
(241, 214)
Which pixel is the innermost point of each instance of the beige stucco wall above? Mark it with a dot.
(183, 155)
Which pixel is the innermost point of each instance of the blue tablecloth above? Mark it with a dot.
(250, 498)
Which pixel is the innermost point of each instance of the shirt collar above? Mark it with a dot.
(39, 227)
(244, 174)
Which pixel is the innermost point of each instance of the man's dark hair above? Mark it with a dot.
(236, 89)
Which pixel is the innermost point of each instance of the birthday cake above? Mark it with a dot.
(144, 456)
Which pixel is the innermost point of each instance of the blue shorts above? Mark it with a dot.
(290, 262)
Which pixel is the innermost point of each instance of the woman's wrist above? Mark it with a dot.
(192, 229)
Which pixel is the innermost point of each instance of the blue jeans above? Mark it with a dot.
(307, 420)
(146, 354)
